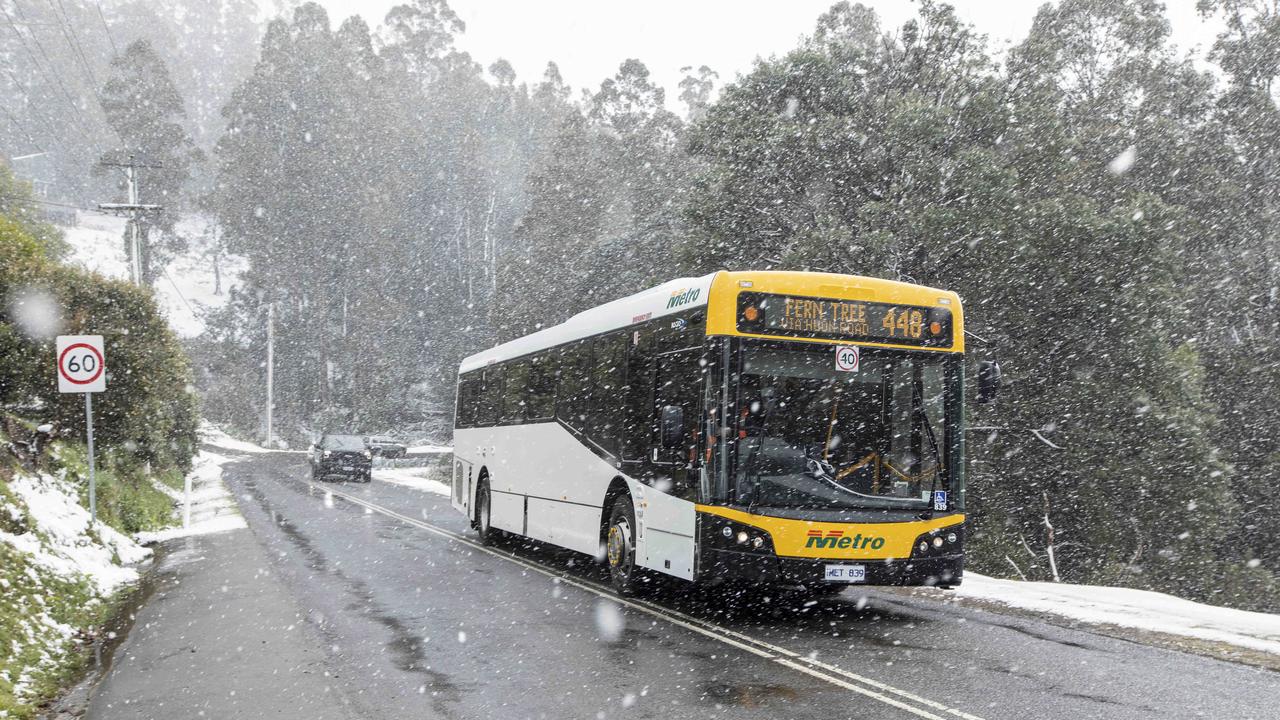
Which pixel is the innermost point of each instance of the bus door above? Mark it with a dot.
(460, 491)
(665, 513)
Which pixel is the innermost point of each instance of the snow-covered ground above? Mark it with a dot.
(213, 509)
(57, 545)
(1138, 609)
(185, 290)
(418, 478)
(63, 543)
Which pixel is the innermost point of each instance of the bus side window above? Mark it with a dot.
(604, 413)
(541, 396)
(464, 413)
(514, 381)
(490, 396)
(638, 396)
(574, 386)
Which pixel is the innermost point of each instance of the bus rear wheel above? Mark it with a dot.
(620, 548)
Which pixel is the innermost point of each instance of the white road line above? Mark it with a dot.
(839, 677)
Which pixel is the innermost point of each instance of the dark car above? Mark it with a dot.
(384, 446)
(344, 455)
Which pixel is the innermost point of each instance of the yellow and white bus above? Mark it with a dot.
(784, 428)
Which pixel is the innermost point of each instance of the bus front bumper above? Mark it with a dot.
(750, 568)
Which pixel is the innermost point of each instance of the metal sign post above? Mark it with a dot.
(82, 368)
(93, 487)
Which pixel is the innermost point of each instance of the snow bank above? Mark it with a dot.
(1140, 609)
(211, 434)
(63, 542)
(213, 509)
(417, 478)
(430, 449)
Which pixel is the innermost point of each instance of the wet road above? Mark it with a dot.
(417, 620)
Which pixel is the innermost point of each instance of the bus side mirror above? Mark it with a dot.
(672, 424)
(988, 381)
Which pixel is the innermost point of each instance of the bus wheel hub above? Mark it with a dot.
(617, 545)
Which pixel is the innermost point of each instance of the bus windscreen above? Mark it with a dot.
(854, 320)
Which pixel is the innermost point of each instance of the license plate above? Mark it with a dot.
(348, 467)
(846, 573)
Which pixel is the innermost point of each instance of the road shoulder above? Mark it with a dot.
(220, 637)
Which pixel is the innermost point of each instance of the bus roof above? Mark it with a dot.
(670, 297)
(683, 294)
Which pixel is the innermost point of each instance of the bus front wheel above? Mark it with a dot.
(620, 547)
(484, 527)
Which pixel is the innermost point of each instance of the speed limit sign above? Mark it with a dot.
(847, 358)
(82, 364)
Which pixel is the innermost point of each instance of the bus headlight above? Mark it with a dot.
(724, 534)
(937, 543)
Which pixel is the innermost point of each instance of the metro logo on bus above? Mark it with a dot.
(683, 297)
(836, 539)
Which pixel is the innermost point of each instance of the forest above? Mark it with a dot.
(1107, 205)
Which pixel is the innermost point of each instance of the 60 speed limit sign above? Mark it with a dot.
(82, 364)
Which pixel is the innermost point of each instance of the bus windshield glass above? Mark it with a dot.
(867, 431)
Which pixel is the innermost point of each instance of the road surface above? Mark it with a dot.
(371, 601)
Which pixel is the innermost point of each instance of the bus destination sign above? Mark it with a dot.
(830, 319)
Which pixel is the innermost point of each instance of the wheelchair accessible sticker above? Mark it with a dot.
(939, 499)
(847, 357)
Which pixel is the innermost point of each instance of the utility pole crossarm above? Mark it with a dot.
(135, 210)
(130, 208)
(131, 164)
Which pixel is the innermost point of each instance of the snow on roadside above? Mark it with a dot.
(211, 434)
(213, 509)
(417, 478)
(63, 543)
(1139, 609)
(430, 449)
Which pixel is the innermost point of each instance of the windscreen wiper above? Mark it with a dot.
(933, 445)
(754, 497)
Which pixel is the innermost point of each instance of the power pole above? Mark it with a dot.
(271, 363)
(134, 209)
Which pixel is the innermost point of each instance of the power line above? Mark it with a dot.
(73, 41)
(13, 119)
(57, 79)
(114, 52)
(48, 120)
(181, 297)
(16, 198)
